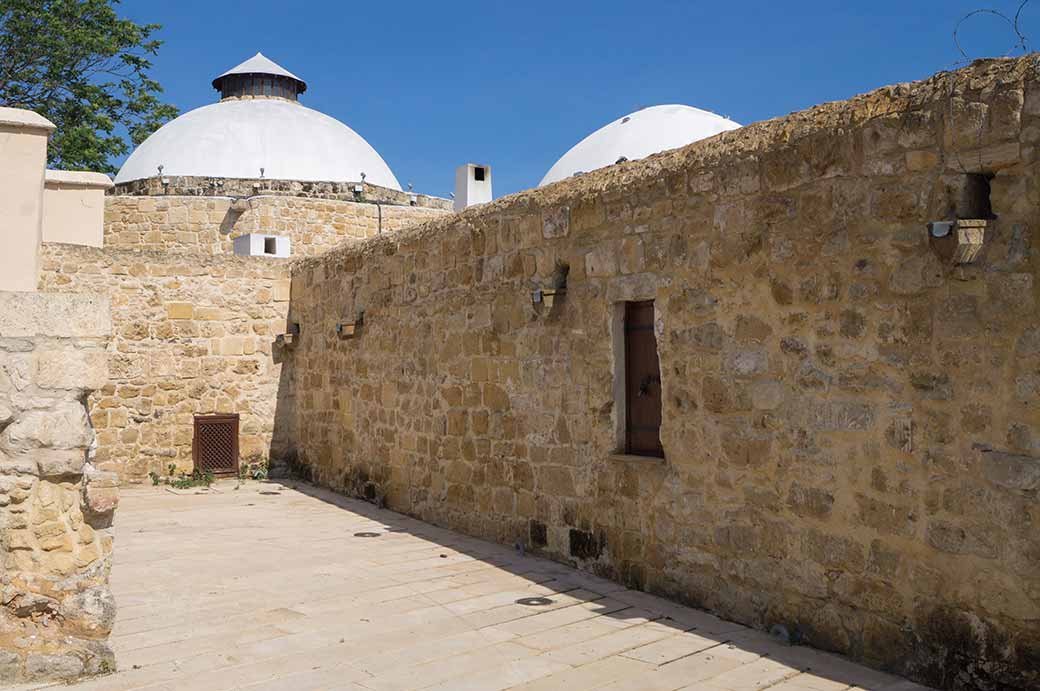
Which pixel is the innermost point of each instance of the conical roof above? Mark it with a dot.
(260, 64)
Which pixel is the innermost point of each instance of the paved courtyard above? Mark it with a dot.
(270, 587)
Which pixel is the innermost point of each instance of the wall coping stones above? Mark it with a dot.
(24, 119)
(57, 179)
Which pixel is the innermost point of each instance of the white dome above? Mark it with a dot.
(236, 138)
(644, 132)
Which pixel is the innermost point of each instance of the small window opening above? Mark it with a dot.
(976, 202)
(478, 174)
(642, 381)
(270, 246)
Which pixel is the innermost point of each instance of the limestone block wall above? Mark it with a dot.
(851, 423)
(192, 333)
(209, 224)
(56, 507)
(200, 186)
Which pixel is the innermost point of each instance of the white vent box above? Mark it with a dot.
(472, 185)
(257, 245)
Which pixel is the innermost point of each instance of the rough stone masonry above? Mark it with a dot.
(56, 508)
(851, 420)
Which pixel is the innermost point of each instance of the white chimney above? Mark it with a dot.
(472, 185)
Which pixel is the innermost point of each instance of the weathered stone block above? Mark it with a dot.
(948, 537)
(916, 274)
(54, 315)
(556, 222)
(180, 310)
(63, 426)
(1011, 471)
(71, 369)
(89, 613)
(100, 492)
(60, 462)
(810, 501)
(602, 261)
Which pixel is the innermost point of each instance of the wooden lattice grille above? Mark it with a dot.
(215, 445)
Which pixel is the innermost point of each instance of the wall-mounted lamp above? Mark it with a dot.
(350, 329)
(547, 296)
(960, 241)
(290, 338)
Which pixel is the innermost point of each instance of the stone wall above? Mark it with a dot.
(851, 423)
(56, 508)
(196, 186)
(209, 224)
(192, 333)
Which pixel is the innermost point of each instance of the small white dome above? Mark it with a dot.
(644, 132)
(236, 138)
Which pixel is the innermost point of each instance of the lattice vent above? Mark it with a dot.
(216, 443)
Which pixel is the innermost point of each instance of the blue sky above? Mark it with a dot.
(432, 85)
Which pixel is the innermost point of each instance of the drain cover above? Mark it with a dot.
(534, 601)
(366, 534)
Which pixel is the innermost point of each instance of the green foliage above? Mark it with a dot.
(258, 471)
(80, 65)
(182, 480)
(197, 478)
(253, 471)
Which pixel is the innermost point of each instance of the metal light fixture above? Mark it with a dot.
(960, 241)
(350, 329)
(290, 338)
(546, 296)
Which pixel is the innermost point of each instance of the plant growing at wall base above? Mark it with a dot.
(182, 480)
(84, 68)
(198, 478)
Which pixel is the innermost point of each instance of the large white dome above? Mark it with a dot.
(236, 138)
(644, 132)
(258, 124)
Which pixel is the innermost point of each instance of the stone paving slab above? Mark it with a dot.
(268, 587)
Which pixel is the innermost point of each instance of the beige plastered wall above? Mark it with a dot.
(23, 160)
(74, 207)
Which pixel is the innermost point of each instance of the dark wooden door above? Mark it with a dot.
(642, 382)
(214, 447)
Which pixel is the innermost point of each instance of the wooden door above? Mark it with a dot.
(642, 382)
